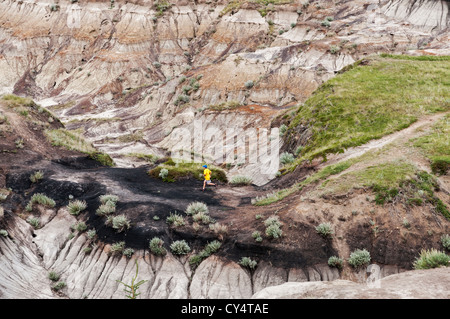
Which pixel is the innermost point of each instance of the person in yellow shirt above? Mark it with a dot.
(207, 175)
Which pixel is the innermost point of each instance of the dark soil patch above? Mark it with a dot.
(141, 198)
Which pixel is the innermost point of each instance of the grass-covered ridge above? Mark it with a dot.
(370, 100)
(171, 171)
(73, 141)
(436, 145)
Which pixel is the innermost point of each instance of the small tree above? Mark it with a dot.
(132, 288)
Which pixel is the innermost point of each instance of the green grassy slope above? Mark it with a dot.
(368, 101)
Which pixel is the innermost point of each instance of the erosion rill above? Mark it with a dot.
(101, 99)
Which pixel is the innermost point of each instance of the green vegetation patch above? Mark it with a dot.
(431, 259)
(72, 141)
(436, 146)
(369, 101)
(393, 180)
(179, 170)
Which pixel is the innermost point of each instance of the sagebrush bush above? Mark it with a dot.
(219, 229)
(202, 217)
(325, 230)
(241, 180)
(445, 240)
(248, 262)
(272, 220)
(274, 231)
(210, 248)
(105, 209)
(156, 246)
(36, 176)
(76, 206)
(53, 276)
(104, 199)
(196, 207)
(337, 262)
(431, 259)
(286, 158)
(359, 257)
(3, 232)
(180, 247)
(91, 234)
(80, 226)
(249, 84)
(117, 248)
(34, 221)
(175, 220)
(119, 222)
(163, 173)
(60, 285)
(40, 199)
(128, 252)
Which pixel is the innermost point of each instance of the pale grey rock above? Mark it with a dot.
(416, 284)
(217, 279)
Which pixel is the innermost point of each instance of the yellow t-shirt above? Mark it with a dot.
(207, 174)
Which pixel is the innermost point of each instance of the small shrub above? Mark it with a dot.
(175, 220)
(326, 23)
(274, 231)
(334, 261)
(210, 248)
(249, 84)
(202, 217)
(445, 240)
(40, 199)
(257, 236)
(117, 248)
(156, 246)
(431, 259)
(34, 221)
(76, 206)
(283, 128)
(53, 276)
(36, 176)
(334, 49)
(241, 180)
(180, 247)
(19, 143)
(3, 232)
(91, 234)
(196, 207)
(219, 229)
(248, 262)
(163, 173)
(406, 223)
(298, 150)
(109, 198)
(128, 252)
(182, 99)
(106, 209)
(286, 158)
(119, 222)
(272, 220)
(60, 285)
(324, 230)
(80, 226)
(359, 258)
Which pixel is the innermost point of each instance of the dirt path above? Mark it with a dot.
(406, 134)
